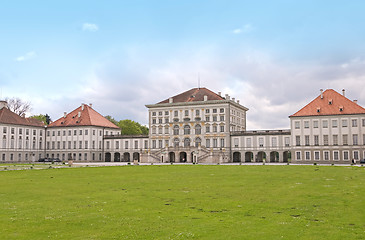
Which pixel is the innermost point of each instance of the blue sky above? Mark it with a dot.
(120, 55)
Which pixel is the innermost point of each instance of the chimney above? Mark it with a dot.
(321, 93)
(227, 97)
(233, 99)
(91, 105)
(64, 114)
(205, 98)
(82, 107)
(171, 100)
(220, 93)
(355, 101)
(343, 92)
(3, 104)
(79, 114)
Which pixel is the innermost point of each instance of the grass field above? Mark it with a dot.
(184, 202)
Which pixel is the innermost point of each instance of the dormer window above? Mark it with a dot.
(341, 108)
(318, 110)
(330, 102)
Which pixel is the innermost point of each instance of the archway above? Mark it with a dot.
(236, 157)
(248, 157)
(286, 156)
(260, 156)
(171, 156)
(274, 156)
(136, 156)
(116, 157)
(108, 157)
(183, 156)
(126, 157)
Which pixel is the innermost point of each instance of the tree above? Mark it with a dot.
(17, 106)
(129, 127)
(144, 129)
(110, 118)
(44, 118)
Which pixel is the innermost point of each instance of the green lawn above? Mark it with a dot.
(184, 202)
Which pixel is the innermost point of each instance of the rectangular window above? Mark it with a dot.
(335, 155)
(345, 155)
(160, 120)
(176, 113)
(248, 142)
(159, 143)
(297, 140)
(153, 143)
(325, 124)
(315, 124)
(207, 143)
(207, 119)
(307, 155)
(344, 123)
(344, 139)
(215, 142)
(221, 110)
(207, 129)
(214, 118)
(153, 113)
(214, 110)
(186, 113)
(166, 113)
(135, 144)
(221, 118)
(335, 139)
(355, 139)
(235, 140)
(325, 140)
(159, 113)
(306, 124)
(80, 144)
(274, 142)
(64, 144)
(316, 155)
(75, 132)
(86, 144)
(297, 124)
(86, 132)
(306, 138)
(354, 122)
(4, 129)
(298, 155)
(222, 142)
(222, 128)
(326, 155)
(316, 140)
(81, 132)
(214, 128)
(287, 141)
(261, 142)
(145, 144)
(334, 123)
(363, 122)
(126, 144)
(197, 112)
(206, 110)
(356, 155)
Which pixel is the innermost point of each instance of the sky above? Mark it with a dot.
(274, 56)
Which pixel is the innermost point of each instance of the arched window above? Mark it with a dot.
(198, 129)
(187, 142)
(176, 142)
(186, 130)
(176, 130)
(198, 141)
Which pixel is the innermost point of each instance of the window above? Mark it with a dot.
(248, 142)
(206, 110)
(221, 118)
(214, 110)
(167, 120)
(214, 128)
(126, 144)
(326, 155)
(80, 144)
(176, 113)
(307, 155)
(221, 110)
(198, 141)
(20, 131)
(235, 140)
(159, 143)
(167, 130)
(135, 144)
(214, 118)
(86, 144)
(344, 139)
(316, 155)
(325, 124)
(315, 124)
(345, 155)
(64, 132)
(160, 130)
(222, 128)
(187, 142)
(207, 118)
(64, 145)
(316, 140)
(222, 142)
(197, 112)
(306, 124)
(207, 128)
(355, 139)
(81, 132)
(159, 113)
(354, 122)
(207, 143)
(153, 113)
(176, 142)
(186, 130)
(153, 130)
(274, 142)
(363, 122)
(166, 113)
(93, 135)
(356, 155)
(154, 121)
(12, 130)
(198, 129)
(145, 144)
(186, 113)
(261, 142)
(26, 131)
(287, 141)
(176, 130)
(86, 132)
(325, 140)
(335, 139)
(160, 120)
(75, 132)
(298, 155)
(306, 139)
(297, 124)
(297, 140)
(344, 123)
(215, 143)
(334, 123)
(4, 129)
(335, 155)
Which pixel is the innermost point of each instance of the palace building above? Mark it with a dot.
(196, 126)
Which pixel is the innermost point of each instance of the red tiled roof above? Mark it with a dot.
(88, 117)
(331, 104)
(8, 117)
(194, 95)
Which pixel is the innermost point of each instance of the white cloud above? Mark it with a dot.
(245, 29)
(26, 57)
(91, 27)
